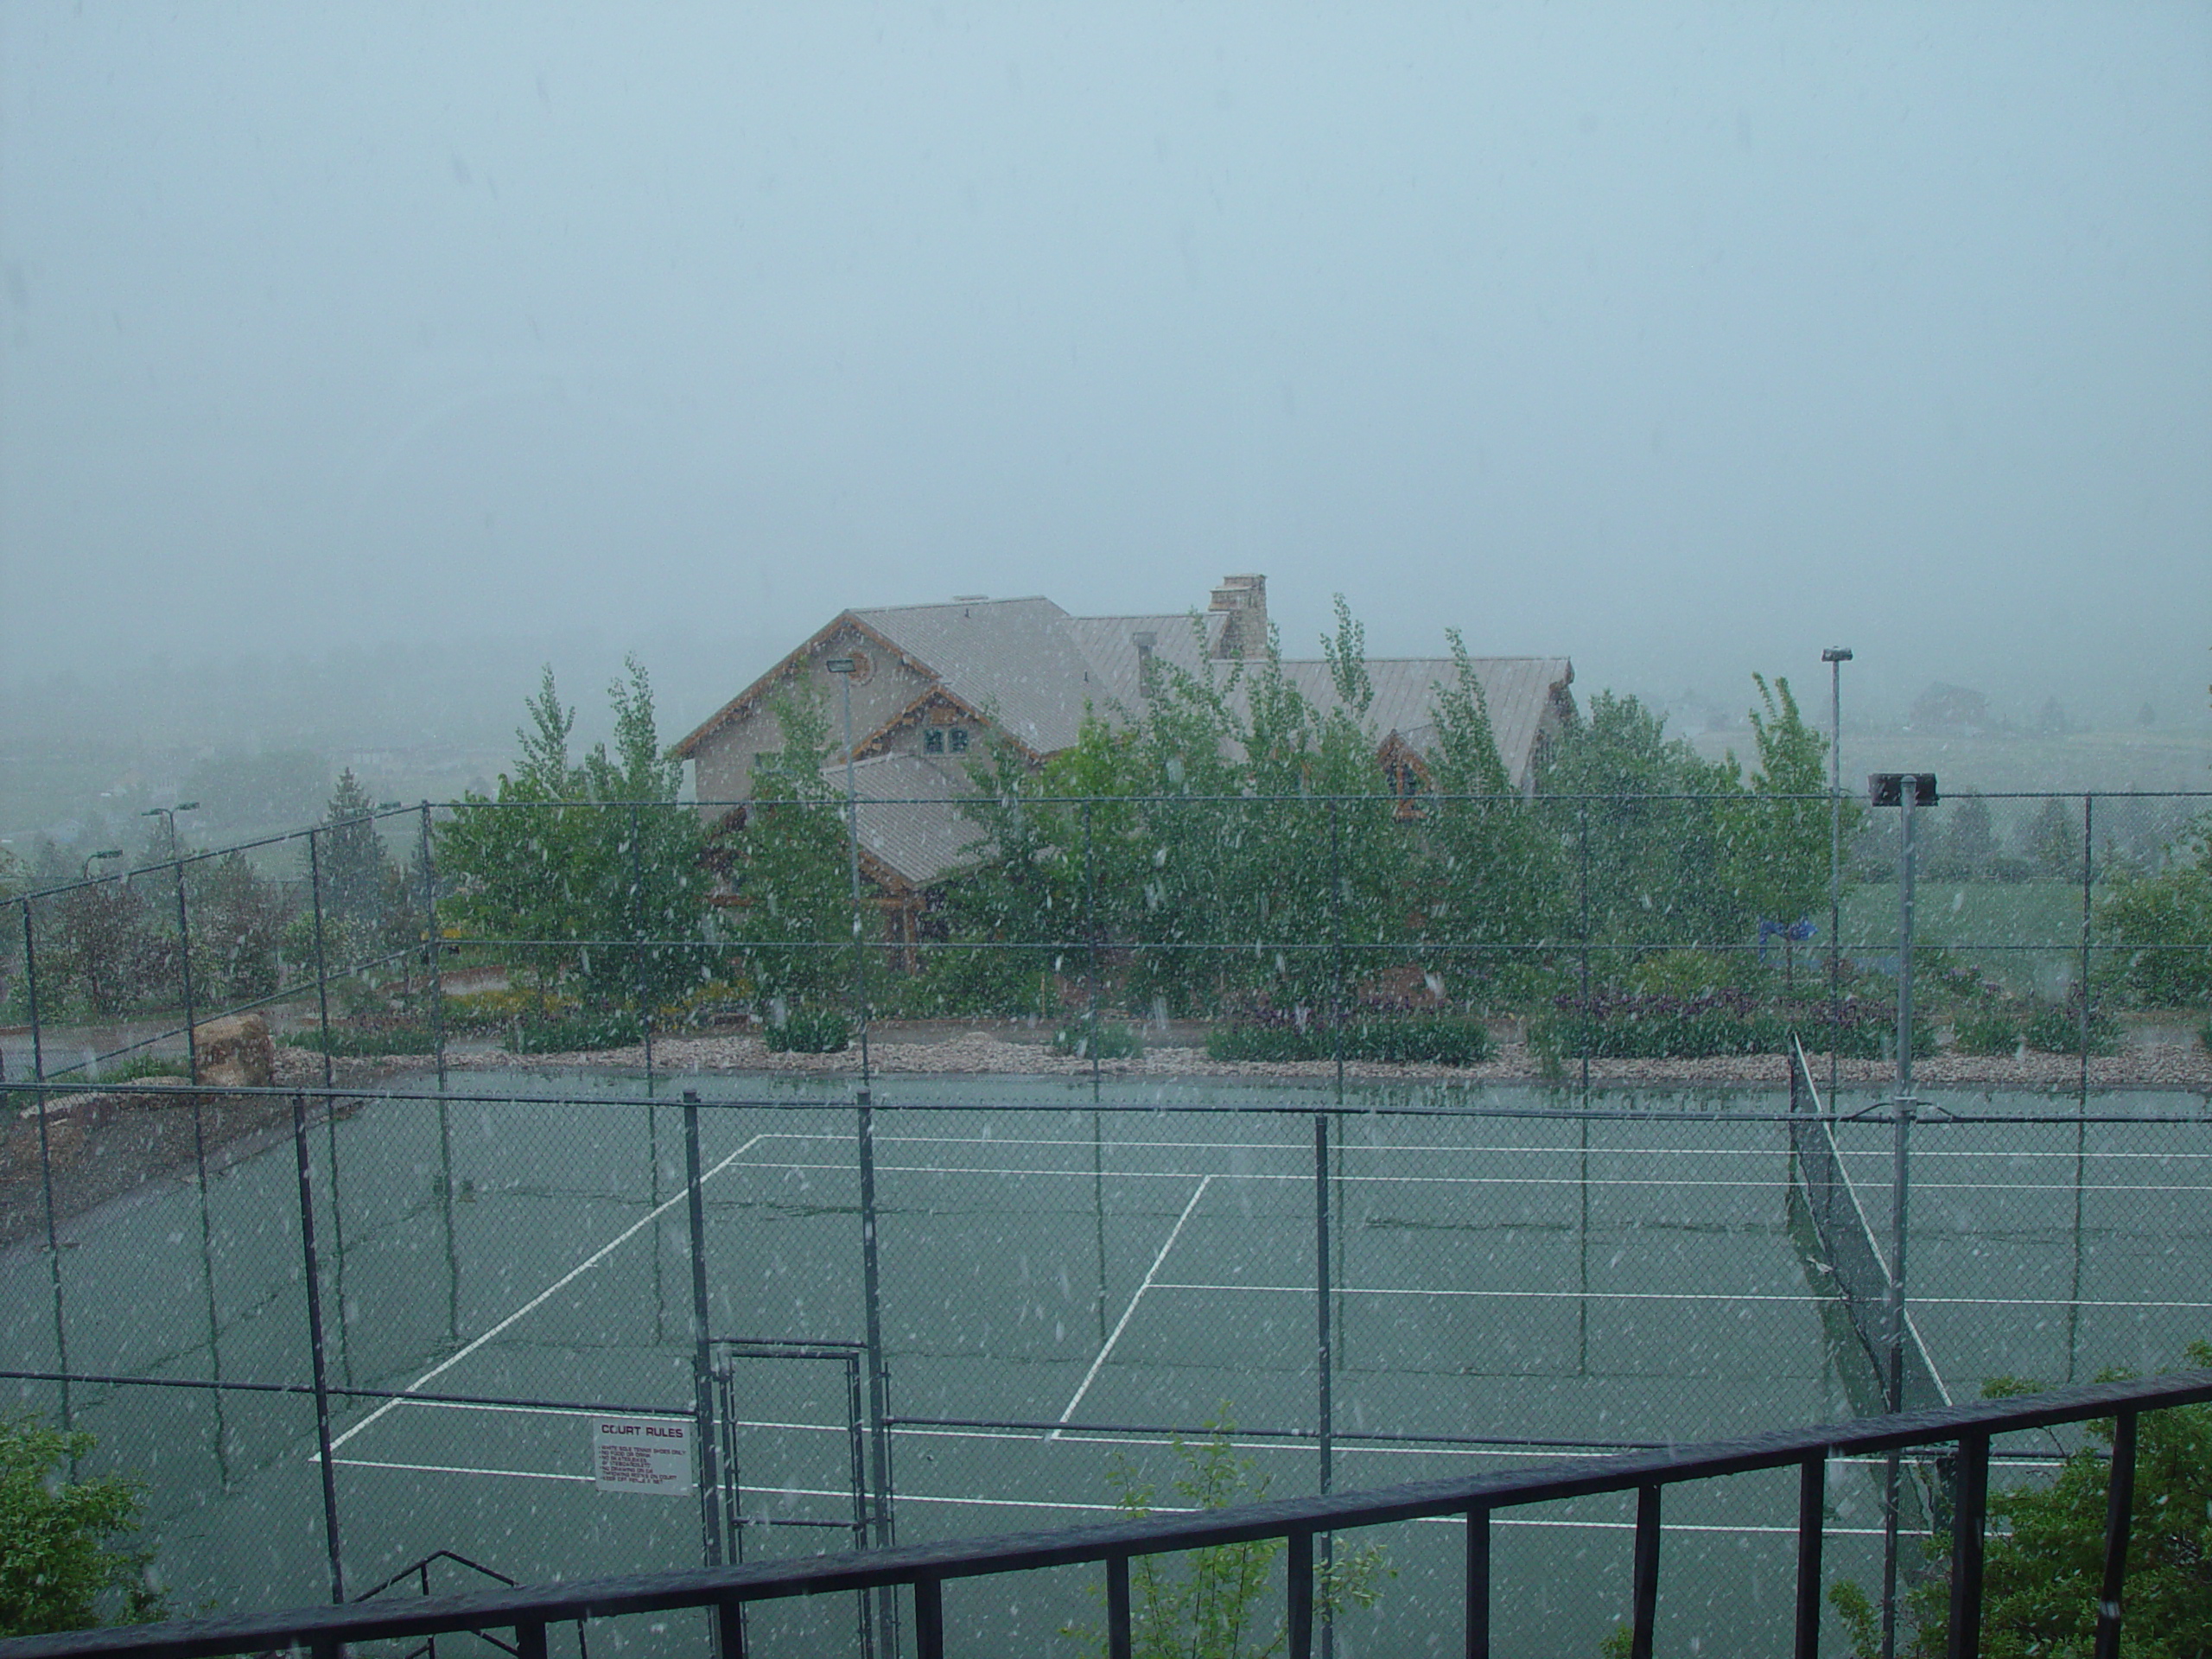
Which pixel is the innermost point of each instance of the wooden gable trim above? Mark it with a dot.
(757, 693)
(876, 741)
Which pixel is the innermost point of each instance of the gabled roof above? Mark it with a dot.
(1010, 657)
(1034, 671)
(927, 834)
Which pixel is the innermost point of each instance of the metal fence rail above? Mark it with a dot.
(923, 1570)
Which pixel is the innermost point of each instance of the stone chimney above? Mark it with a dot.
(1244, 629)
(1146, 642)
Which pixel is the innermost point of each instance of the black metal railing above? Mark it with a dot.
(924, 1569)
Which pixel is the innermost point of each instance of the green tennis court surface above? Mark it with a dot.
(1061, 1284)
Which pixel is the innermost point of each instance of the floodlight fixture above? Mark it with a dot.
(1836, 654)
(92, 859)
(839, 664)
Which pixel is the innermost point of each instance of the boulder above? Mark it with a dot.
(235, 1052)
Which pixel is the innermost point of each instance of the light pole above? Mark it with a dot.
(1835, 657)
(92, 859)
(168, 815)
(1904, 791)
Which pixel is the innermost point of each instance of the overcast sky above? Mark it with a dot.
(1680, 339)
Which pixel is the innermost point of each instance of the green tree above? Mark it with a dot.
(788, 865)
(2042, 1560)
(1658, 867)
(65, 1545)
(239, 920)
(590, 864)
(1779, 837)
(1495, 875)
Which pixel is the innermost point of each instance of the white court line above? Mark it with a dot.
(1112, 1508)
(452, 1469)
(1669, 1182)
(1099, 1364)
(682, 1195)
(1677, 1296)
(534, 1411)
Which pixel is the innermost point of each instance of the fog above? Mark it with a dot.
(1680, 340)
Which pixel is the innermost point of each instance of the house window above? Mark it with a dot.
(959, 740)
(932, 742)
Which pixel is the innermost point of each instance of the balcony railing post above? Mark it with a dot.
(2120, 1516)
(729, 1629)
(1812, 1501)
(929, 1618)
(1971, 1501)
(1645, 1610)
(1298, 1616)
(530, 1639)
(1478, 1584)
(1119, 1640)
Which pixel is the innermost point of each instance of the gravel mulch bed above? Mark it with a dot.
(983, 1052)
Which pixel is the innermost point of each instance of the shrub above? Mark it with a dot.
(582, 1029)
(1214, 1603)
(2056, 1029)
(2043, 1560)
(143, 1065)
(1627, 1024)
(1436, 1039)
(810, 1031)
(1986, 1030)
(1104, 1042)
(365, 1041)
(64, 1543)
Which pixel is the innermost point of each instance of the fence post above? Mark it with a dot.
(1325, 1406)
(1583, 1023)
(2089, 877)
(879, 1378)
(184, 970)
(1337, 946)
(315, 1347)
(45, 1162)
(702, 1395)
(434, 952)
(329, 1104)
(638, 977)
(1900, 1172)
(1090, 944)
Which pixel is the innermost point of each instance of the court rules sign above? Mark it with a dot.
(641, 1454)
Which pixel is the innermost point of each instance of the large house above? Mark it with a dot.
(932, 683)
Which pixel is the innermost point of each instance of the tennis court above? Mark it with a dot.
(1062, 1282)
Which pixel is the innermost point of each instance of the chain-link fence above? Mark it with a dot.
(353, 1268)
